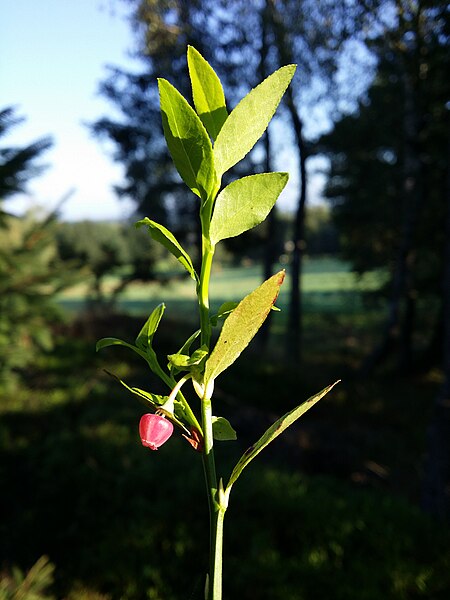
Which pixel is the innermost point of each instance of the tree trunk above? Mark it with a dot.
(436, 483)
(294, 336)
(405, 356)
(269, 255)
(294, 332)
(398, 331)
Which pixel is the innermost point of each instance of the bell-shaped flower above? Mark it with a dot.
(154, 430)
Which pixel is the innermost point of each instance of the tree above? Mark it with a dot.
(107, 250)
(436, 484)
(30, 277)
(17, 165)
(387, 168)
(30, 273)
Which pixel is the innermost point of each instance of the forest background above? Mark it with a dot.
(354, 503)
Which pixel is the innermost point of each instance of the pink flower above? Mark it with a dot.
(154, 430)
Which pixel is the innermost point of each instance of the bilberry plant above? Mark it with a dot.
(204, 144)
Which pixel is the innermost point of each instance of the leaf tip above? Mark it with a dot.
(163, 85)
(141, 222)
(191, 50)
(281, 276)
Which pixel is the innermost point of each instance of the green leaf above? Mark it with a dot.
(207, 91)
(183, 361)
(273, 432)
(156, 401)
(225, 309)
(169, 241)
(222, 430)
(148, 355)
(188, 141)
(248, 121)
(244, 204)
(105, 342)
(188, 343)
(153, 399)
(242, 325)
(145, 337)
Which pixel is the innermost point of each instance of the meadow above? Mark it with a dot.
(331, 511)
(328, 286)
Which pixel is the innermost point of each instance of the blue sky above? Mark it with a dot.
(53, 54)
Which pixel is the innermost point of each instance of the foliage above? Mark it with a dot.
(32, 586)
(30, 273)
(322, 536)
(103, 249)
(151, 180)
(366, 179)
(388, 174)
(220, 30)
(17, 165)
(245, 41)
(30, 276)
(321, 233)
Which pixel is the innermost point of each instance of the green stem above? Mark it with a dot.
(208, 456)
(171, 383)
(203, 291)
(205, 273)
(215, 581)
(216, 509)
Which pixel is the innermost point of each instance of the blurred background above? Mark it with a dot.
(354, 500)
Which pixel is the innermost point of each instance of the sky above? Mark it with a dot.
(53, 56)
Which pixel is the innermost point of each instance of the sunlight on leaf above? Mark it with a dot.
(222, 430)
(145, 336)
(207, 91)
(162, 235)
(188, 141)
(245, 203)
(248, 121)
(242, 325)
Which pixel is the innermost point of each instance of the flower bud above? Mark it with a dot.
(154, 430)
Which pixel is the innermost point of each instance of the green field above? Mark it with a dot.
(328, 286)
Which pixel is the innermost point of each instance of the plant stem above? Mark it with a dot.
(171, 383)
(215, 581)
(203, 290)
(205, 273)
(216, 510)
